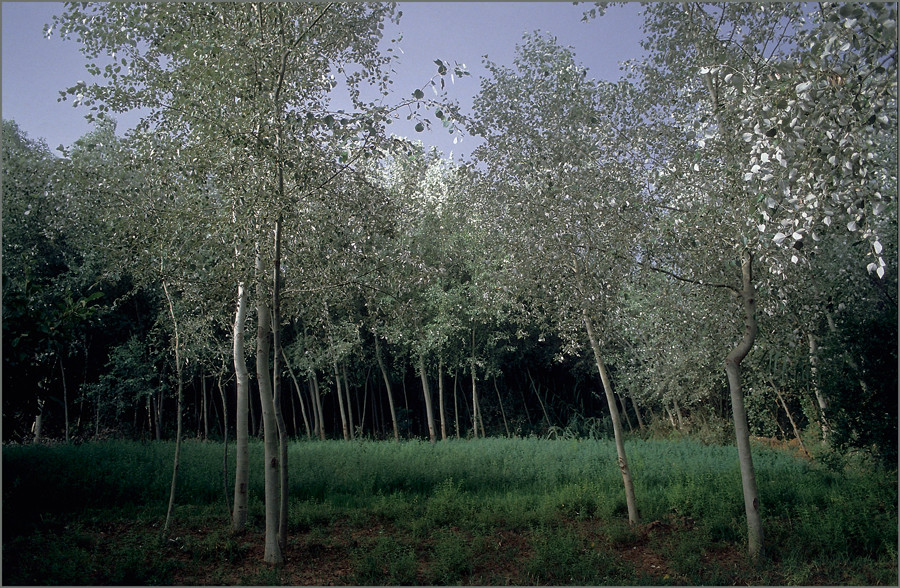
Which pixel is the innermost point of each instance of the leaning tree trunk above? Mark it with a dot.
(242, 424)
(299, 394)
(742, 430)
(273, 553)
(178, 369)
(617, 422)
(426, 391)
(387, 385)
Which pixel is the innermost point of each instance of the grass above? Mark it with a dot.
(492, 511)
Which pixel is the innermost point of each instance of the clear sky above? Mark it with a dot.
(35, 69)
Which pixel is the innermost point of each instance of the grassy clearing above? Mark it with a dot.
(492, 511)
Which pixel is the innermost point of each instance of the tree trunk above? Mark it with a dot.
(178, 369)
(637, 412)
(242, 420)
(387, 385)
(299, 394)
(272, 554)
(678, 414)
(441, 399)
(205, 409)
(617, 422)
(351, 423)
(789, 416)
(502, 412)
(625, 412)
(741, 428)
(814, 376)
(39, 421)
(65, 397)
(318, 408)
(474, 402)
(540, 401)
(455, 405)
(225, 445)
(340, 397)
(426, 391)
(277, 354)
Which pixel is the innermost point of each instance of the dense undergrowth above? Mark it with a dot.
(473, 512)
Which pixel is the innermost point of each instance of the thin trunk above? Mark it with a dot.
(637, 412)
(299, 394)
(318, 413)
(39, 421)
(225, 445)
(474, 403)
(340, 397)
(538, 394)
(525, 404)
(455, 405)
(178, 369)
(277, 353)
(821, 398)
(678, 414)
(65, 397)
(790, 417)
(273, 553)
(441, 399)
(625, 411)
(741, 428)
(617, 423)
(205, 409)
(426, 391)
(242, 424)
(160, 402)
(502, 412)
(671, 417)
(351, 423)
(387, 385)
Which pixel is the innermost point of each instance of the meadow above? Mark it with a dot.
(488, 511)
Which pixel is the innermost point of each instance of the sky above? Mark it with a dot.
(35, 69)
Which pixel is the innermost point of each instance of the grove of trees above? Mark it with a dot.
(708, 244)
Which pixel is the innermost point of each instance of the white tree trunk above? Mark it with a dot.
(426, 391)
(242, 424)
(273, 553)
(178, 369)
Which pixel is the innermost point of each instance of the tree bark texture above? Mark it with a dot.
(277, 354)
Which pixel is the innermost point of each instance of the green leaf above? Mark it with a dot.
(418, 94)
(420, 127)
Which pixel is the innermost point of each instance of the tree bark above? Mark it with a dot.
(742, 430)
(789, 416)
(426, 391)
(637, 412)
(441, 399)
(299, 394)
(502, 412)
(821, 398)
(273, 553)
(340, 397)
(320, 413)
(350, 420)
(633, 517)
(277, 353)
(225, 445)
(387, 385)
(178, 369)
(242, 418)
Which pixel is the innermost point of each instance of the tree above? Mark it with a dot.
(551, 143)
(715, 84)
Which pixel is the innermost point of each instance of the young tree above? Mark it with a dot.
(551, 142)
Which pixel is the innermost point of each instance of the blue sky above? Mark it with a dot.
(35, 69)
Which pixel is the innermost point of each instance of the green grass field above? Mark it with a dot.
(492, 511)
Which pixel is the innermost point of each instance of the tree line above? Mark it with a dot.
(708, 242)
